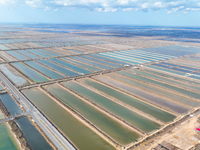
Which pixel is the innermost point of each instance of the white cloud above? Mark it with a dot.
(7, 2)
(171, 6)
(128, 9)
(34, 3)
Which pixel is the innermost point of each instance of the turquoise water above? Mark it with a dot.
(92, 63)
(27, 54)
(48, 52)
(89, 67)
(68, 65)
(51, 74)
(107, 59)
(120, 133)
(137, 120)
(82, 136)
(58, 68)
(76, 51)
(2, 47)
(127, 58)
(157, 113)
(118, 58)
(10, 104)
(133, 56)
(101, 61)
(39, 53)
(17, 55)
(7, 142)
(32, 135)
(30, 72)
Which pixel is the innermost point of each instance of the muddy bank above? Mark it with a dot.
(15, 129)
(4, 110)
(19, 135)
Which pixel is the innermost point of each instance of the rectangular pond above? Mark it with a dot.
(48, 52)
(172, 81)
(92, 63)
(166, 70)
(7, 141)
(10, 104)
(83, 65)
(135, 119)
(82, 136)
(70, 66)
(17, 55)
(34, 138)
(142, 94)
(51, 74)
(118, 132)
(58, 68)
(24, 52)
(108, 59)
(39, 53)
(119, 58)
(160, 91)
(13, 75)
(101, 61)
(33, 75)
(165, 85)
(142, 106)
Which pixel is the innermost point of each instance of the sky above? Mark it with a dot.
(125, 12)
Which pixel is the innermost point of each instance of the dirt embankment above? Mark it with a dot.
(15, 129)
(19, 135)
(4, 110)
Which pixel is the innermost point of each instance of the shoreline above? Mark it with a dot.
(14, 137)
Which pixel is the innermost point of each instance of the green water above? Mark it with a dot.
(7, 142)
(87, 66)
(120, 133)
(170, 87)
(135, 119)
(32, 135)
(164, 79)
(160, 91)
(82, 136)
(124, 85)
(71, 66)
(177, 78)
(157, 113)
(30, 72)
(166, 70)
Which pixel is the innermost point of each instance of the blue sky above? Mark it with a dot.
(134, 12)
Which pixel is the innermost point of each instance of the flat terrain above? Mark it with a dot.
(117, 89)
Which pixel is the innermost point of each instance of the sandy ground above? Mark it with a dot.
(181, 136)
(16, 141)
